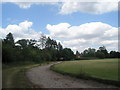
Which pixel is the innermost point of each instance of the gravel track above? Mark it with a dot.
(43, 77)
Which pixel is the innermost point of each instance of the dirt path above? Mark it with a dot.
(43, 77)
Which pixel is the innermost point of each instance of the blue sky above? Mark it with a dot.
(43, 14)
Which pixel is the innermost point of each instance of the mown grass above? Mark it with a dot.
(14, 74)
(105, 69)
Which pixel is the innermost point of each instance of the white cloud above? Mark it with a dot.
(24, 5)
(20, 31)
(87, 30)
(25, 25)
(74, 42)
(111, 33)
(97, 7)
(71, 6)
(109, 42)
(92, 34)
(59, 30)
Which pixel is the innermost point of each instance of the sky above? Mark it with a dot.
(77, 25)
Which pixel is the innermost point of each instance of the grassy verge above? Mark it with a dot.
(105, 70)
(14, 75)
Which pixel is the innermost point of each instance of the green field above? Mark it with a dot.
(106, 69)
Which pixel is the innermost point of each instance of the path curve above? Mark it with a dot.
(43, 77)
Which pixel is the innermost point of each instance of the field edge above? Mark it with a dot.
(86, 77)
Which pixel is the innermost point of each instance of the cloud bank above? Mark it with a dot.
(93, 34)
(20, 31)
(88, 7)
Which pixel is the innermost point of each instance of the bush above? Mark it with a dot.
(100, 55)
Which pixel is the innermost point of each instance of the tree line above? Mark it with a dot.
(44, 49)
(102, 52)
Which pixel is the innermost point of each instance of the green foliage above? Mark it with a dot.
(42, 41)
(100, 54)
(114, 54)
(50, 43)
(8, 53)
(23, 43)
(104, 51)
(67, 54)
(8, 49)
(9, 39)
(59, 47)
(29, 50)
(46, 50)
(89, 53)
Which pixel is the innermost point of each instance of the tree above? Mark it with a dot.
(59, 51)
(23, 43)
(90, 52)
(27, 50)
(85, 53)
(42, 41)
(8, 50)
(114, 54)
(100, 54)
(59, 47)
(104, 50)
(54, 44)
(77, 54)
(9, 39)
(8, 53)
(48, 43)
(31, 42)
(68, 54)
(118, 54)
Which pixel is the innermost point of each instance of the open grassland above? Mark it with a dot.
(105, 69)
(14, 75)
